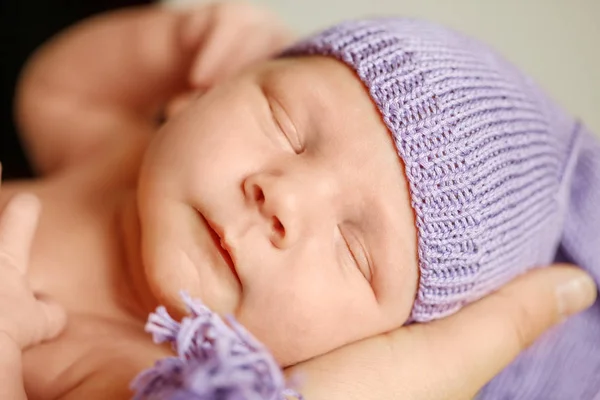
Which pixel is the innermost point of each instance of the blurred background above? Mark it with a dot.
(554, 41)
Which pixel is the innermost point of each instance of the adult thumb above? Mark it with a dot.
(490, 333)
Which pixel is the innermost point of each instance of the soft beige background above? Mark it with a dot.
(555, 41)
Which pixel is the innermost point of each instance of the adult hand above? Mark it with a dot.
(451, 358)
(24, 319)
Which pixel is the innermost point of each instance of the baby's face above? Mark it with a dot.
(278, 196)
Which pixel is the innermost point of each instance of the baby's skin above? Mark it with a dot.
(275, 195)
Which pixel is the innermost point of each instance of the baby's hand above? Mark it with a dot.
(24, 318)
(229, 36)
(226, 37)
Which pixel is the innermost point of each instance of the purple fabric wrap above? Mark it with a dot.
(501, 181)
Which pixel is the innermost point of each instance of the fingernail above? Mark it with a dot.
(576, 295)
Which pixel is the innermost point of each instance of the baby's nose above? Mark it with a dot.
(290, 206)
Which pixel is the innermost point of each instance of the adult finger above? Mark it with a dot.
(18, 223)
(479, 341)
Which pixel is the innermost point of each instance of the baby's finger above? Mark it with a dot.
(211, 57)
(246, 46)
(180, 103)
(249, 48)
(487, 335)
(256, 35)
(18, 223)
(51, 320)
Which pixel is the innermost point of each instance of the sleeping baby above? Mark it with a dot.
(379, 173)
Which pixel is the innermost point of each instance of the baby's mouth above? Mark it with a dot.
(222, 246)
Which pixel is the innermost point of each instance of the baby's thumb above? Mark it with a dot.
(51, 320)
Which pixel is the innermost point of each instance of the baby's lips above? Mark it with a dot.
(227, 251)
(230, 258)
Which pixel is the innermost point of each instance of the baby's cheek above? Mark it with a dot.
(297, 326)
(289, 330)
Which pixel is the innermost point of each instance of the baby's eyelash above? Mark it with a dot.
(365, 270)
(286, 127)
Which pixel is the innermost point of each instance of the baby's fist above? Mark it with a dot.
(24, 318)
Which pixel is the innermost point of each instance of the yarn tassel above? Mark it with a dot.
(216, 360)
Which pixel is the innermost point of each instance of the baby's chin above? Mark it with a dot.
(177, 258)
(175, 272)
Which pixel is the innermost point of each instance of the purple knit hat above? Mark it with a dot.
(487, 155)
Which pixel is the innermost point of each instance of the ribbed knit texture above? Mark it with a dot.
(498, 176)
